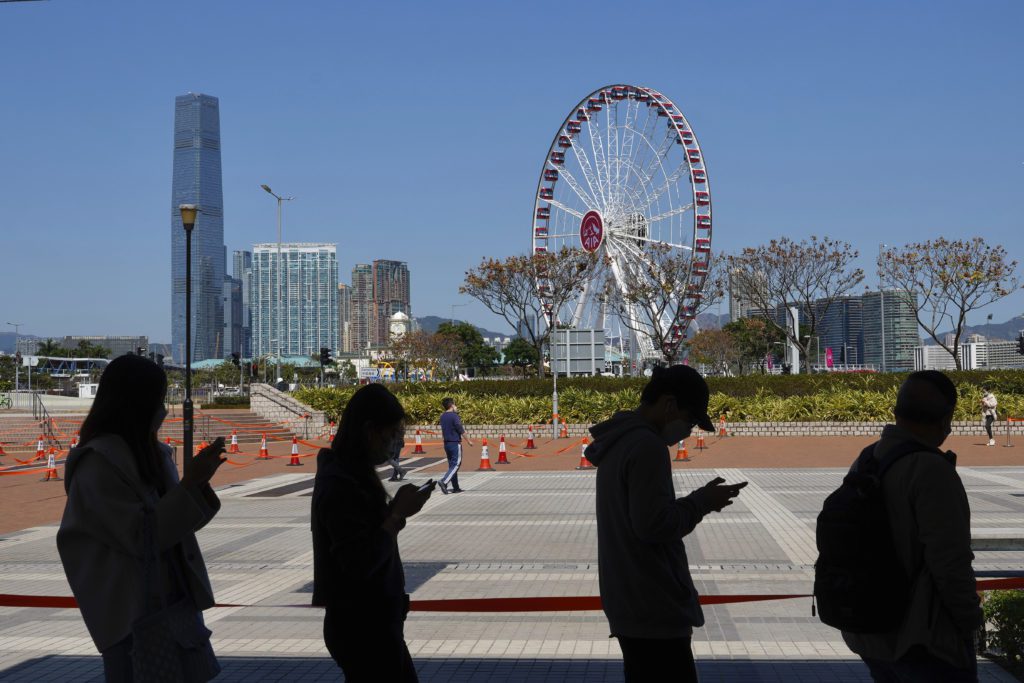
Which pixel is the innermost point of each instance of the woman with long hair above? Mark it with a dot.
(357, 570)
(127, 538)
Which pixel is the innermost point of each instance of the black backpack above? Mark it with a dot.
(860, 584)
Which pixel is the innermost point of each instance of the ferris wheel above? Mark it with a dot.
(625, 174)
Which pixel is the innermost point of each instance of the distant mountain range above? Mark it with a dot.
(430, 323)
(1008, 330)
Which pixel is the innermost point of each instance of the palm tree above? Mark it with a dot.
(50, 348)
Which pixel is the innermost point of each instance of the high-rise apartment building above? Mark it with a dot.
(344, 318)
(362, 297)
(302, 317)
(232, 302)
(841, 329)
(242, 271)
(390, 296)
(196, 179)
(897, 322)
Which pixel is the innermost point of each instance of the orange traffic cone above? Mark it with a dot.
(682, 455)
(502, 455)
(74, 442)
(233, 448)
(419, 444)
(700, 441)
(721, 426)
(295, 462)
(333, 431)
(529, 440)
(40, 449)
(565, 430)
(263, 455)
(51, 466)
(584, 463)
(485, 460)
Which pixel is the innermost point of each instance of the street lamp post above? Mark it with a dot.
(453, 307)
(16, 327)
(881, 299)
(188, 221)
(280, 305)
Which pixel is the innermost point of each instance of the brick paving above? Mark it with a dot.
(514, 532)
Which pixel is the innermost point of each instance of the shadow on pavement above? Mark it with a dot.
(78, 668)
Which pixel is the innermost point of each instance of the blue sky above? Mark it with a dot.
(415, 131)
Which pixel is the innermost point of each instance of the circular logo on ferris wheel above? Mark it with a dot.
(591, 231)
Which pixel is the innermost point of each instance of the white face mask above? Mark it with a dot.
(675, 431)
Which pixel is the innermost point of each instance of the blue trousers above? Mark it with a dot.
(454, 453)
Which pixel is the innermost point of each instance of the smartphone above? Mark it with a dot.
(426, 487)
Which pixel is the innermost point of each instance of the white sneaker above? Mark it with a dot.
(991, 442)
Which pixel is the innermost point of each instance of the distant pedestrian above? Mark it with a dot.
(357, 569)
(646, 589)
(452, 433)
(988, 412)
(397, 471)
(930, 521)
(127, 538)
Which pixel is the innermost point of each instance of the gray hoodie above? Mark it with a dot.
(646, 588)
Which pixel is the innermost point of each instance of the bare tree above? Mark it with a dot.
(657, 300)
(810, 275)
(943, 280)
(529, 290)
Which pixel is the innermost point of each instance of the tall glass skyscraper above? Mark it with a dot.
(390, 296)
(197, 180)
(306, 319)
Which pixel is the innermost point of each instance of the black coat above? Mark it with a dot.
(356, 564)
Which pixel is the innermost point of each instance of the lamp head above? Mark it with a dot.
(266, 188)
(188, 215)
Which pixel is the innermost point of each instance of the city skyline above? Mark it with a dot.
(805, 132)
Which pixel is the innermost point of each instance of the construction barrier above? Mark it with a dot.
(485, 460)
(295, 462)
(682, 455)
(1009, 422)
(51, 466)
(502, 453)
(584, 463)
(571, 603)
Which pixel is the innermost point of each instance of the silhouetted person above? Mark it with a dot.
(931, 526)
(119, 471)
(357, 570)
(395, 460)
(452, 433)
(648, 596)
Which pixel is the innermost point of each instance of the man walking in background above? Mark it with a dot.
(989, 403)
(646, 589)
(452, 432)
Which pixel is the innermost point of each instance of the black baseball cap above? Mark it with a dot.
(687, 386)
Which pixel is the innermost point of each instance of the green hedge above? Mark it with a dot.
(1004, 612)
(757, 398)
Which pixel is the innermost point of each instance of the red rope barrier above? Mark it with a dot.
(581, 603)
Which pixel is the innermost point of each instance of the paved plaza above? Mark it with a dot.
(510, 534)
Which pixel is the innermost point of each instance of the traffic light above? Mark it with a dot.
(325, 355)
(236, 359)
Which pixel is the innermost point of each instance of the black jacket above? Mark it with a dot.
(356, 564)
(646, 588)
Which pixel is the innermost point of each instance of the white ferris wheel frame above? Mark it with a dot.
(595, 191)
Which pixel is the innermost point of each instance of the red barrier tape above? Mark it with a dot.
(582, 603)
(37, 470)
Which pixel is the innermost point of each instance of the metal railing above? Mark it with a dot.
(40, 413)
(303, 414)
